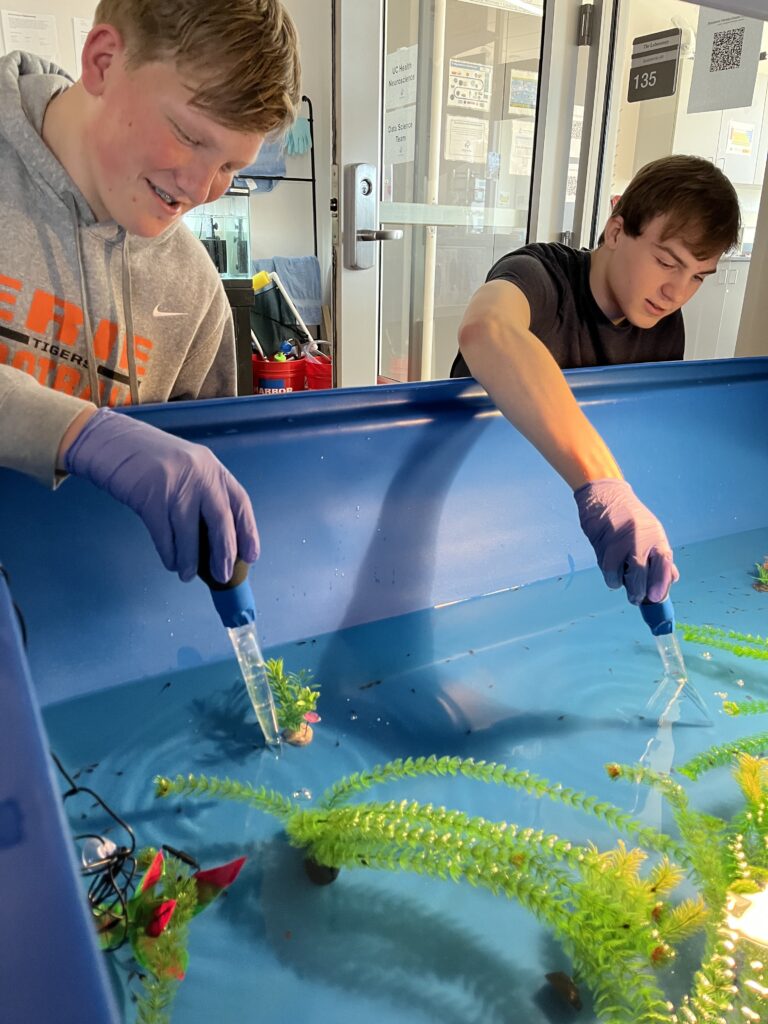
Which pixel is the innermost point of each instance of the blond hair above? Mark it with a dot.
(242, 56)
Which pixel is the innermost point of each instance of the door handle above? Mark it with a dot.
(360, 226)
(382, 235)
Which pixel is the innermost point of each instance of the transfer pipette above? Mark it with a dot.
(660, 618)
(234, 601)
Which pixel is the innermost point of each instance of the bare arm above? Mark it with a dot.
(528, 386)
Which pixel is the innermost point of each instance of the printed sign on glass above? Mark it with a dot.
(725, 67)
(401, 80)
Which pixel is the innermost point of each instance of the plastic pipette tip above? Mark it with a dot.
(659, 616)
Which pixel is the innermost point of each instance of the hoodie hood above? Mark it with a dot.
(27, 86)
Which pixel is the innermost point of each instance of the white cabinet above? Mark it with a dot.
(712, 316)
(737, 125)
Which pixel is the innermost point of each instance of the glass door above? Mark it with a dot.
(463, 110)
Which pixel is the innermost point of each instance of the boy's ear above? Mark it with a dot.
(102, 46)
(613, 230)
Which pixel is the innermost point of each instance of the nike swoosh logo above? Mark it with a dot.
(161, 312)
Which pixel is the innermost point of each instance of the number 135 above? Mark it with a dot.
(645, 80)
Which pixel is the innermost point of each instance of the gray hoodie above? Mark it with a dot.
(57, 261)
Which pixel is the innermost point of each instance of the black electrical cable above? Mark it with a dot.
(112, 874)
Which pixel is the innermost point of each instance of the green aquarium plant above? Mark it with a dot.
(611, 909)
(295, 702)
(743, 645)
(761, 579)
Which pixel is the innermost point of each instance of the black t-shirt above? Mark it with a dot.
(565, 316)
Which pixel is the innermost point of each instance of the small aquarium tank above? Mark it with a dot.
(223, 228)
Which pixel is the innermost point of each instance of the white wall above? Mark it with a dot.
(281, 220)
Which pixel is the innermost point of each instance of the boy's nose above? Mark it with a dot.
(196, 182)
(674, 293)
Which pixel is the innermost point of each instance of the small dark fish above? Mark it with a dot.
(165, 686)
(565, 987)
(367, 686)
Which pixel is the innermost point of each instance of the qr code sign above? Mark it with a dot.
(726, 49)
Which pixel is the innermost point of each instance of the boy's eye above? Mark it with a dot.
(183, 135)
(661, 263)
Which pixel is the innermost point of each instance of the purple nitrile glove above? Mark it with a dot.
(170, 483)
(629, 541)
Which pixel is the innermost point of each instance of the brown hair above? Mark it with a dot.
(699, 202)
(242, 55)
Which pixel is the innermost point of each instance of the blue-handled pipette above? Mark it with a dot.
(659, 616)
(235, 603)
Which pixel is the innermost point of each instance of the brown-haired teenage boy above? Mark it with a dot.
(547, 307)
(106, 298)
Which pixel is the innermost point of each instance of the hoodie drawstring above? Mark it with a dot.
(69, 199)
(128, 312)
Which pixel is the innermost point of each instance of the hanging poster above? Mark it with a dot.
(725, 65)
(740, 138)
(466, 138)
(35, 33)
(80, 29)
(522, 92)
(521, 147)
(469, 85)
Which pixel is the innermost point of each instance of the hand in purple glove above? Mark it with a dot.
(629, 541)
(170, 483)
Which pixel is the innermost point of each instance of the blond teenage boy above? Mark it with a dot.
(546, 307)
(106, 298)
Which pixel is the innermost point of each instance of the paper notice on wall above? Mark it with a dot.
(725, 65)
(522, 92)
(521, 147)
(400, 77)
(36, 33)
(80, 29)
(469, 84)
(400, 135)
(577, 127)
(466, 138)
(740, 138)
